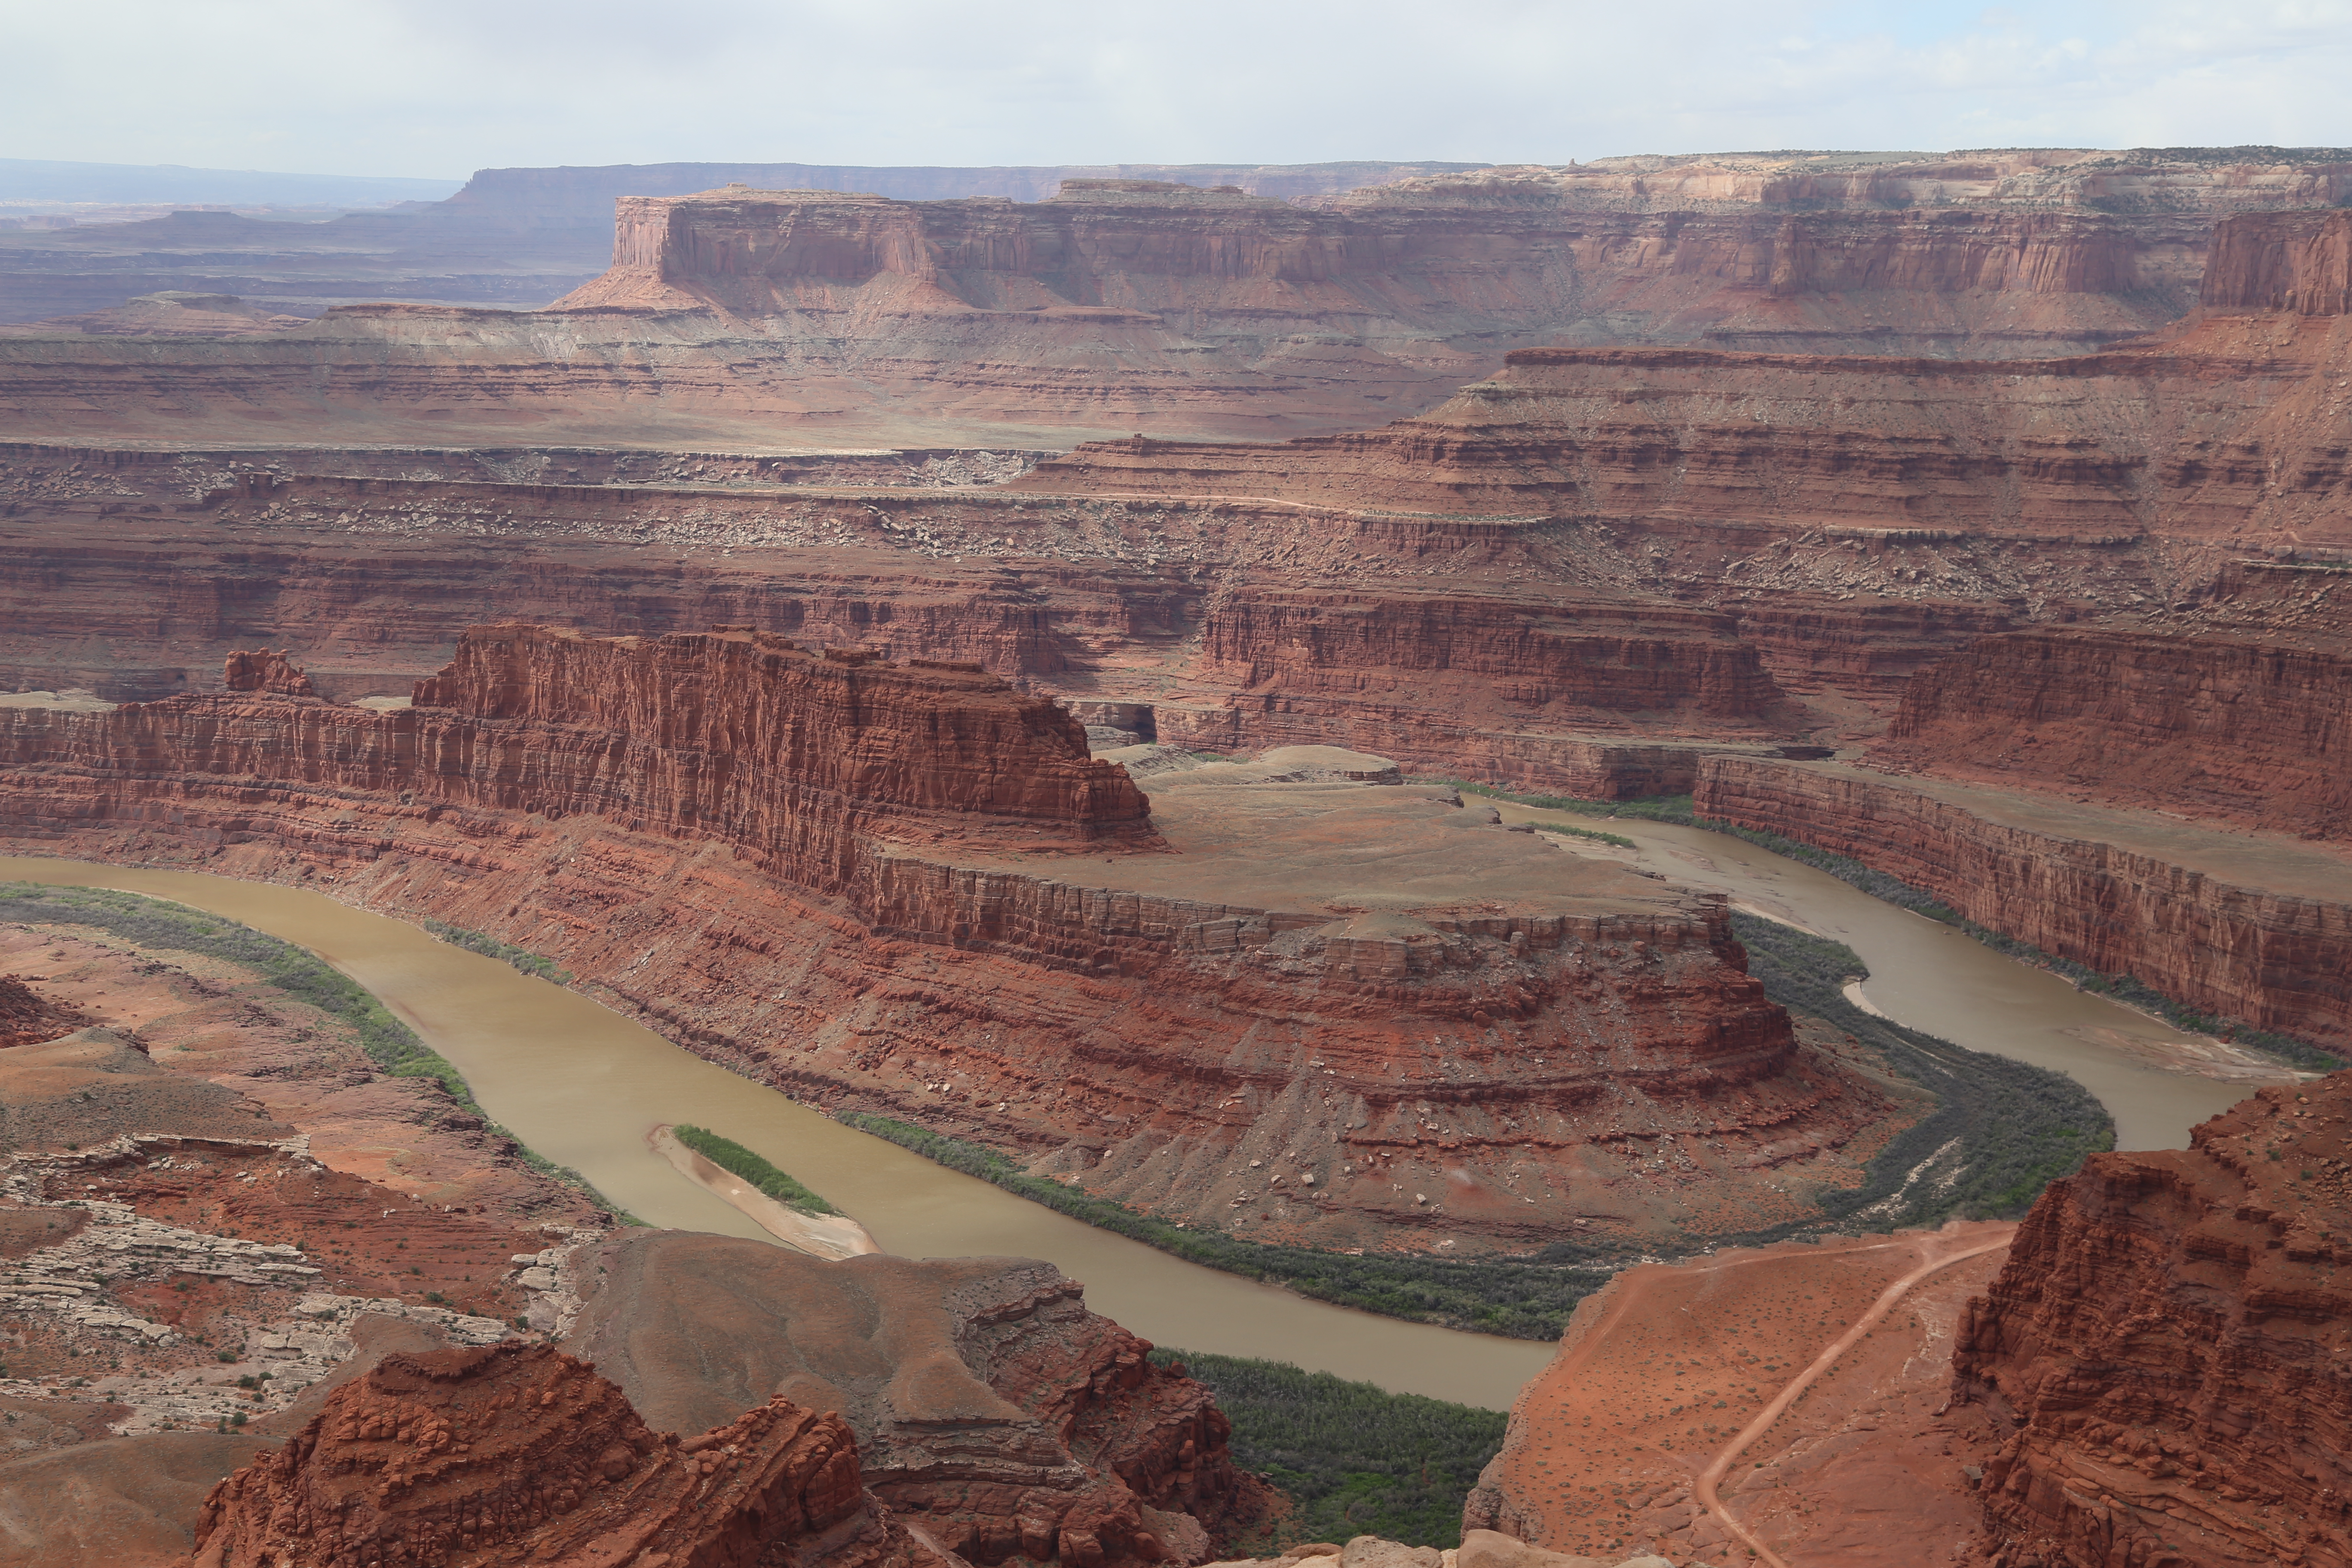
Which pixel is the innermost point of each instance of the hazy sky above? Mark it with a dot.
(443, 86)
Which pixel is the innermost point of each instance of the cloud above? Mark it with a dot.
(441, 86)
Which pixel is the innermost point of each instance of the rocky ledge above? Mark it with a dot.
(1329, 1011)
(2169, 1339)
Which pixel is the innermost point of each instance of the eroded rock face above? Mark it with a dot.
(2300, 263)
(989, 1405)
(2170, 1336)
(2218, 727)
(512, 1454)
(2103, 889)
(266, 669)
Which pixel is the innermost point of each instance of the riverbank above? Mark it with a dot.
(582, 1085)
(819, 1235)
(1931, 974)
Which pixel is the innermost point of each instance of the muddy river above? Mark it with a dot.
(2155, 1080)
(583, 1086)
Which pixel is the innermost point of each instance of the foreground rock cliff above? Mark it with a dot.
(519, 1454)
(991, 1410)
(1329, 1011)
(2169, 1340)
(887, 1411)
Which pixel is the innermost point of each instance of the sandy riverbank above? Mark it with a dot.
(822, 1236)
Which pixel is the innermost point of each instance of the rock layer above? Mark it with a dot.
(2168, 1338)
(940, 944)
(515, 1454)
(2219, 727)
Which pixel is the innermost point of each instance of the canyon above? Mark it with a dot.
(974, 654)
(1340, 1013)
(403, 1409)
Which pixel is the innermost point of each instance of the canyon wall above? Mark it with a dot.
(2168, 1339)
(790, 755)
(515, 1454)
(2216, 727)
(1036, 970)
(2248, 951)
(2177, 439)
(2300, 263)
(1120, 304)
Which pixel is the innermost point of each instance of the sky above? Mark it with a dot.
(440, 88)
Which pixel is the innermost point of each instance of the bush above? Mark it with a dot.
(1355, 1459)
(1526, 1298)
(2018, 1127)
(489, 946)
(730, 1155)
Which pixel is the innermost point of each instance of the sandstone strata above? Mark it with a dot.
(1198, 309)
(987, 1402)
(2123, 894)
(2168, 1339)
(909, 889)
(519, 1454)
(2220, 727)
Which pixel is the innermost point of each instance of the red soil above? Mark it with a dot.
(1659, 1377)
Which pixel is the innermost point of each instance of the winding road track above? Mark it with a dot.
(1704, 1488)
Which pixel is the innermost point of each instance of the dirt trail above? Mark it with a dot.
(1705, 1487)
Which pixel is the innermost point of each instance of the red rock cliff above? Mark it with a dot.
(2300, 263)
(732, 714)
(516, 1455)
(2213, 726)
(2170, 1336)
(1579, 657)
(1090, 1454)
(2276, 960)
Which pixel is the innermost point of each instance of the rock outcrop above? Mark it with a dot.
(2258, 933)
(907, 890)
(2169, 1339)
(266, 669)
(2214, 726)
(987, 1402)
(515, 1454)
(2297, 263)
(28, 1017)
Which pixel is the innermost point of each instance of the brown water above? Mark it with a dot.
(583, 1086)
(1932, 977)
